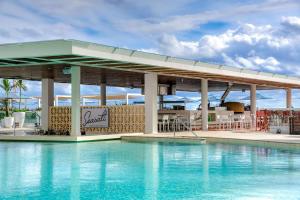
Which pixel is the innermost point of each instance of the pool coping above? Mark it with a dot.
(143, 137)
(190, 140)
(52, 138)
(261, 143)
(227, 140)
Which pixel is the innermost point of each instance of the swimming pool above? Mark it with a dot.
(132, 170)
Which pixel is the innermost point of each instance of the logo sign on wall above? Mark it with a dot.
(94, 117)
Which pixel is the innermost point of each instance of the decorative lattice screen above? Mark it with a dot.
(122, 119)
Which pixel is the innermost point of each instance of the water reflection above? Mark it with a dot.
(205, 164)
(46, 178)
(4, 166)
(102, 177)
(75, 172)
(151, 173)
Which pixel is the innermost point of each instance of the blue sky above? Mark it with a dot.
(255, 34)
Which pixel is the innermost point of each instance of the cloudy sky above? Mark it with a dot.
(256, 34)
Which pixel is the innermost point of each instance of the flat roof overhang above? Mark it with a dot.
(124, 67)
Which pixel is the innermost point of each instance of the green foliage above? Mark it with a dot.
(2, 115)
(20, 110)
(6, 86)
(19, 84)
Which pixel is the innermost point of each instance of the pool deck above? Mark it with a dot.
(251, 138)
(255, 138)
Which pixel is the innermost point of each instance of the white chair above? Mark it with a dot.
(224, 121)
(240, 121)
(182, 123)
(219, 121)
(163, 123)
(248, 120)
(172, 122)
(160, 123)
(195, 123)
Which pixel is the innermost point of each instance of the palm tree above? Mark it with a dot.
(19, 84)
(6, 87)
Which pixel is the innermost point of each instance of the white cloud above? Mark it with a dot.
(136, 23)
(291, 21)
(263, 48)
(25, 20)
(179, 23)
(20, 24)
(260, 64)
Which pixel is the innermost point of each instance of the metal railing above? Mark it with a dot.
(189, 128)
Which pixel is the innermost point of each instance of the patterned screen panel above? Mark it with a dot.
(122, 119)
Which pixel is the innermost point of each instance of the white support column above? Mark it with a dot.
(56, 100)
(75, 85)
(103, 94)
(289, 98)
(204, 104)
(39, 103)
(253, 100)
(150, 103)
(127, 101)
(47, 101)
(253, 105)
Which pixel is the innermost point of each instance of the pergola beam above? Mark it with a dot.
(77, 53)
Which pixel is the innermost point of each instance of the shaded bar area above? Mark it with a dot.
(155, 76)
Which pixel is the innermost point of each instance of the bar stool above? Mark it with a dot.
(163, 123)
(240, 122)
(223, 121)
(172, 122)
(181, 123)
(248, 121)
(219, 121)
(160, 123)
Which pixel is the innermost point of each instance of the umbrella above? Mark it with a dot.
(189, 99)
(172, 98)
(211, 98)
(258, 97)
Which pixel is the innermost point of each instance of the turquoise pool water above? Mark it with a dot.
(125, 170)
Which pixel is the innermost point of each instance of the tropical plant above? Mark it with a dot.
(6, 87)
(19, 84)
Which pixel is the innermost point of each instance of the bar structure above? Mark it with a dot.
(77, 62)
